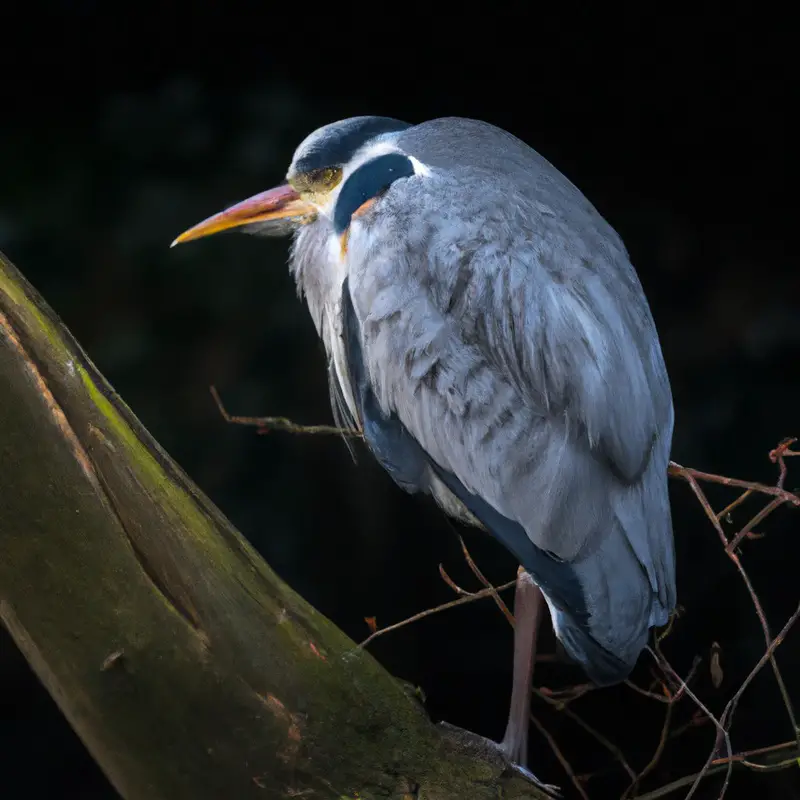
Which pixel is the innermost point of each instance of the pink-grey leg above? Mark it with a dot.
(529, 606)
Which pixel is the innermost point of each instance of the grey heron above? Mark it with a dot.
(489, 336)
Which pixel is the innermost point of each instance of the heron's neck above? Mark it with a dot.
(319, 276)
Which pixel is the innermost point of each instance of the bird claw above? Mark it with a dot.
(480, 747)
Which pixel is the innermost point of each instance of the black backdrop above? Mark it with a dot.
(120, 127)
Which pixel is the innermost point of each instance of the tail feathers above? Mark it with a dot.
(601, 666)
(604, 601)
(623, 602)
(659, 615)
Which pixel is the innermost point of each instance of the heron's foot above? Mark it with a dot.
(481, 748)
(515, 749)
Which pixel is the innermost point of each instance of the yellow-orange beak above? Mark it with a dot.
(282, 204)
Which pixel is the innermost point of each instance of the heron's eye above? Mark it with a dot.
(317, 180)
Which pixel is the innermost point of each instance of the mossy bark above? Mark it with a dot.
(188, 668)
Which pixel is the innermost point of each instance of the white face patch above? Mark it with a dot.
(371, 150)
(419, 168)
(335, 253)
(326, 205)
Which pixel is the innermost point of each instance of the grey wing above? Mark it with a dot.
(520, 354)
(411, 467)
(391, 443)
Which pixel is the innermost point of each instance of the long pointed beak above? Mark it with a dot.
(282, 203)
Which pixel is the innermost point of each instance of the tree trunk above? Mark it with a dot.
(188, 668)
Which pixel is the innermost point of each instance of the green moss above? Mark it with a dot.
(17, 295)
(181, 714)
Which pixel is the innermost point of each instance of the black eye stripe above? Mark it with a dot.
(368, 181)
(343, 140)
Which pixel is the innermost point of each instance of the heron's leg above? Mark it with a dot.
(512, 752)
(528, 607)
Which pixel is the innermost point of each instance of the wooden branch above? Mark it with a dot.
(188, 668)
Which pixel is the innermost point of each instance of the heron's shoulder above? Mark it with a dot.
(451, 141)
(472, 212)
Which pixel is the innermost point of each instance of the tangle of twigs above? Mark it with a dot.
(764, 759)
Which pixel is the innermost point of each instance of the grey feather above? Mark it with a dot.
(316, 279)
(395, 449)
(502, 324)
(407, 462)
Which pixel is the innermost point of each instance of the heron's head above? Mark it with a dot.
(336, 173)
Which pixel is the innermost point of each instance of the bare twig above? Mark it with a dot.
(677, 471)
(735, 504)
(721, 764)
(541, 658)
(266, 424)
(722, 733)
(443, 607)
(697, 719)
(660, 698)
(560, 705)
(778, 456)
(730, 708)
(667, 630)
(672, 700)
(560, 698)
(756, 520)
(452, 584)
(653, 762)
(691, 478)
(561, 757)
(480, 576)
(761, 751)
(669, 788)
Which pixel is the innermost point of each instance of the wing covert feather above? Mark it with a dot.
(519, 352)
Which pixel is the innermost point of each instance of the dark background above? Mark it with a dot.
(121, 128)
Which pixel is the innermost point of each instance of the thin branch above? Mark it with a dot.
(267, 424)
(452, 584)
(778, 456)
(669, 788)
(776, 767)
(760, 751)
(703, 500)
(722, 732)
(756, 520)
(678, 471)
(561, 757)
(667, 630)
(653, 762)
(721, 764)
(443, 607)
(541, 658)
(778, 677)
(768, 656)
(735, 504)
(754, 599)
(697, 719)
(601, 739)
(672, 701)
(645, 693)
(560, 698)
(480, 576)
